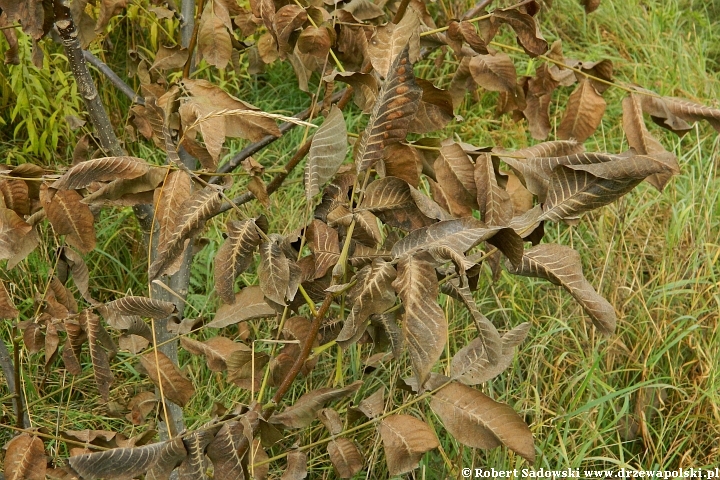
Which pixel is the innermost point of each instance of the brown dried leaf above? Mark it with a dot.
(12, 231)
(234, 256)
(213, 39)
(194, 211)
(405, 440)
(249, 304)
(97, 336)
(14, 194)
(642, 141)
(245, 368)
(394, 201)
(478, 421)
(288, 19)
(168, 58)
(584, 113)
(345, 457)
(493, 201)
(194, 466)
(527, 31)
(171, 454)
(494, 72)
(7, 307)
(142, 306)
(176, 387)
(315, 41)
(365, 87)
(101, 170)
(304, 410)
(372, 294)
(296, 466)
(168, 202)
(325, 246)
(404, 162)
(69, 216)
(108, 9)
(327, 152)
(274, 272)
(119, 463)
(390, 40)
(435, 110)
(11, 54)
(590, 5)
(424, 324)
(561, 265)
(140, 407)
(392, 113)
(223, 451)
(25, 458)
(216, 350)
(454, 173)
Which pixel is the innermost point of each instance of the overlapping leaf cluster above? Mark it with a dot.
(391, 230)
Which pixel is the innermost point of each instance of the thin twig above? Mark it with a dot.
(113, 77)
(193, 41)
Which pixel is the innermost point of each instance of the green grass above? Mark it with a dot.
(654, 256)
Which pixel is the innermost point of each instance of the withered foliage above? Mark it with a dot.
(393, 227)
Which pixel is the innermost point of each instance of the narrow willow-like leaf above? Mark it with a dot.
(101, 365)
(561, 265)
(249, 304)
(578, 188)
(101, 170)
(12, 230)
(195, 211)
(478, 421)
(395, 107)
(7, 307)
(25, 458)
(471, 365)
(223, 451)
(424, 324)
(642, 141)
(372, 294)
(345, 457)
(302, 412)
(584, 113)
(70, 217)
(234, 256)
(327, 152)
(176, 387)
(391, 40)
(117, 463)
(142, 306)
(405, 440)
(216, 350)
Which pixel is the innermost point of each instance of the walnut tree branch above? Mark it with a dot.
(113, 77)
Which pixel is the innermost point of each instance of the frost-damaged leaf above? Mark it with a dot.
(454, 173)
(25, 458)
(7, 307)
(117, 463)
(577, 187)
(391, 40)
(234, 256)
(494, 202)
(213, 39)
(12, 230)
(489, 337)
(345, 457)
(478, 421)
(15, 194)
(527, 31)
(69, 216)
(424, 324)
(168, 201)
(97, 336)
(223, 451)
(176, 387)
(101, 170)
(372, 294)
(643, 142)
(207, 100)
(194, 465)
(392, 113)
(171, 454)
(405, 440)
(195, 211)
(327, 152)
(249, 304)
(584, 113)
(142, 306)
(216, 350)
(561, 265)
(274, 272)
(303, 411)
(396, 203)
(325, 245)
(296, 466)
(459, 235)
(471, 365)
